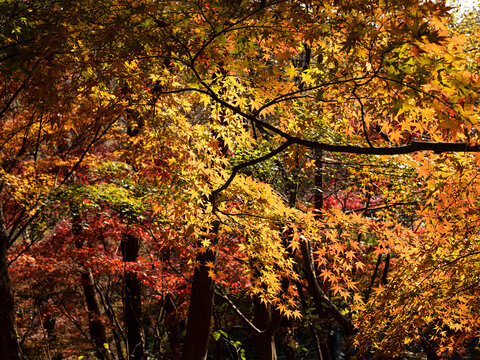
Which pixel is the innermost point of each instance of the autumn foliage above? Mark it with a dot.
(238, 179)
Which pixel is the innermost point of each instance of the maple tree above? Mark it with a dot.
(157, 154)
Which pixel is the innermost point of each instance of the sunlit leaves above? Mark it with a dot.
(136, 113)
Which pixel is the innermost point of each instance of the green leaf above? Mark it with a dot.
(217, 335)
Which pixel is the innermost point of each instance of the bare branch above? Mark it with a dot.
(237, 168)
(239, 313)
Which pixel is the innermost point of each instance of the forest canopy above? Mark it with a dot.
(239, 179)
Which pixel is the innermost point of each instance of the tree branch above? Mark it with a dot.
(237, 168)
(414, 146)
(239, 313)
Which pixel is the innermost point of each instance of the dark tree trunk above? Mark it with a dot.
(268, 322)
(385, 270)
(110, 313)
(48, 323)
(202, 293)
(200, 308)
(321, 348)
(9, 347)
(323, 305)
(219, 345)
(321, 300)
(132, 301)
(318, 199)
(429, 349)
(324, 350)
(95, 325)
(372, 281)
(130, 249)
(171, 323)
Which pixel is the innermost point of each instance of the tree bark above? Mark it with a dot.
(130, 248)
(9, 346)
(321, 300)
(171, 323)
(268, 322)
(428, 348)
(201, 307)
(95, 325)
(320, 345)
(385, 270)
(48, 324)
(132, 301)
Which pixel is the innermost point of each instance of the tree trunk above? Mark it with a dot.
(385, 270)
(264, 320)
(132, 301)
(200, 308)
(9, 347)
(428, 348)
(95, 325)
(321, 300)
(171, 323)
(202, 293)
(130, 248)
(48, 324)
(320, 345)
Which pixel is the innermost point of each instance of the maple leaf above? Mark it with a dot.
(292, 71)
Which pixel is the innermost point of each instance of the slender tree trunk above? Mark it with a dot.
(48, 324)
(219, 344)
(318, 199)
(202, 293)
(110, 313)
(318, 344)
(321, 300)
(324, 350)
(323, 345)
(95, 325)
(268, 322)
(130, 248)
(132, 301)
(171, 323)
(385, 270)
(429, 349)
(201, 307)
(372, 281)
(9, 347)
